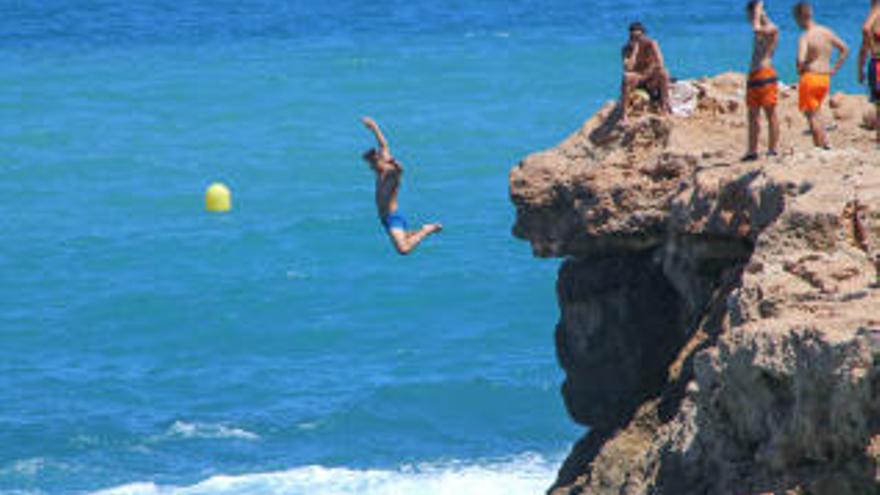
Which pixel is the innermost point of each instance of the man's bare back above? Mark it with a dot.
(817, 46)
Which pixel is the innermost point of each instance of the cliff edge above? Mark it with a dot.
(719, 321)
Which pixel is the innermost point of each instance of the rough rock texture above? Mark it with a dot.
(720, 321)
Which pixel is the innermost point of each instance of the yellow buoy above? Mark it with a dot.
(218, 198)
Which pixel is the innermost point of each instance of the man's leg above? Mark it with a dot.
(874, 89)
(406, 242)
(630, 81)
(877, 120)
(773, 131)
(659, 81)
(663, 81)
(820, 140)
(754, 129)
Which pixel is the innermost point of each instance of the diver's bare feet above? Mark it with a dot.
(432, 228)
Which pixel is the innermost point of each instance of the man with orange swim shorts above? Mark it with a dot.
(762, 92)
(815, 49)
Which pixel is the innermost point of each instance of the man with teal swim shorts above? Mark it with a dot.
(388, 176)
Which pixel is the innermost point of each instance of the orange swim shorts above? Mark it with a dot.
(812, 90)
(762, 88)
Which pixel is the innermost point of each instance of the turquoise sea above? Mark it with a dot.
(149, 347)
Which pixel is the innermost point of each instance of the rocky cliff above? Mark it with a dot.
(720, 321)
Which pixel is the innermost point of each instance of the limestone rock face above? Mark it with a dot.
(719, 321)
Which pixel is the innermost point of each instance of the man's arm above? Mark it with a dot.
(843, 52)
(630, 54)
(867, 42)
(380, 138)
(868, 26)
(802, 53)
(768, 29)
(659, 63)
(761, 23)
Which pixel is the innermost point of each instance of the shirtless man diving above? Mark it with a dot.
(763, 85)
(815, 49)
(643, 68)
(870, 53)
(389, 173)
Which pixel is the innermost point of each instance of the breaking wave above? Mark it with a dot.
(526, 474)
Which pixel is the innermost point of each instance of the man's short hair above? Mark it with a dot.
(371, 155)
(802, 8)
(637, 26)
(754, 3)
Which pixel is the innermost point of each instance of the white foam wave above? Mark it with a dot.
(493, 34)
(308, 425)
(25, 467)
(182, 429)
(296, 275)
(527, 474)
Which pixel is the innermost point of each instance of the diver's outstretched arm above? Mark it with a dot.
(380, 138)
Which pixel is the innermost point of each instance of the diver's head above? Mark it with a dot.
(371, 156)
(751, 8)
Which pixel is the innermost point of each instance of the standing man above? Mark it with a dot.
(871, 46)
(643, 68)
(814, 65)
(763, 87)
(389, 173)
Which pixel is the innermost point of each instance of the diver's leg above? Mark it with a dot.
(405, 242)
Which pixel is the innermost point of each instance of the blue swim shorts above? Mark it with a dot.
(394, 221)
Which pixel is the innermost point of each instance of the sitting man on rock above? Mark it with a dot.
(643, 68)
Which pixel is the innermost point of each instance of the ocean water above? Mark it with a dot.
(149, 347)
